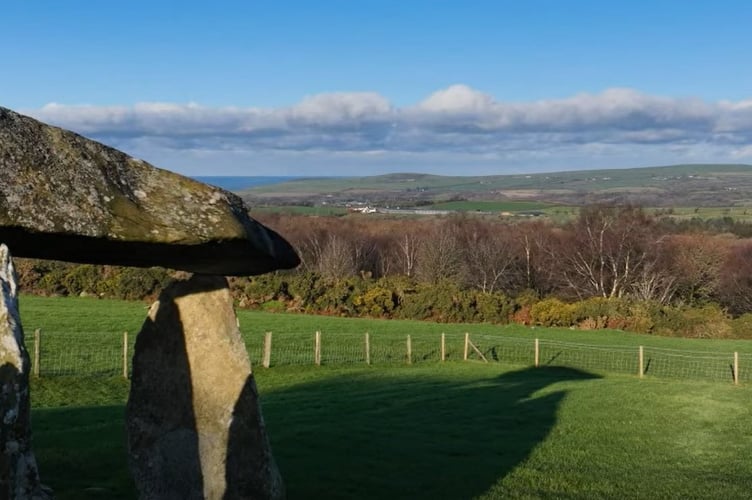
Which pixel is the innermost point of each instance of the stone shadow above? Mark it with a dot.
(410, 437)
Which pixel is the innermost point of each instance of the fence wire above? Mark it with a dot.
(103, 353)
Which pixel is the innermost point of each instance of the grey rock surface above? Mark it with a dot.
(194, 424)
(66, 197)
(19, 475)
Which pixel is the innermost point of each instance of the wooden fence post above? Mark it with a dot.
(736, 368)
(37, 348)
(409, 350)
(467, 346)
(537, 353)
(317, 349)
(641, 363)
(443, 347)
(125, 355)
(368, 349)
(267, 361)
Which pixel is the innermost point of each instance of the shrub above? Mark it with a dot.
(741, 327)
(376, 301)
(708, 321)
(494, 307)
(442, 301)
(81, 279)
(337, 296)
(133, 283)
(601, 312)
(552, 312)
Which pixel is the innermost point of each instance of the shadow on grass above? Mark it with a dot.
(358, 435)
(81, 452)
(373, 437)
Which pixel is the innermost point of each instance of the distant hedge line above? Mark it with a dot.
(404, 298)
(395, 297)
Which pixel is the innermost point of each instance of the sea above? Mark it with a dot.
(239, 183)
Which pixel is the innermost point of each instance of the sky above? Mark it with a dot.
(365, 87)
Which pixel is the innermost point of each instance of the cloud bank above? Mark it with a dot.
(615, 127)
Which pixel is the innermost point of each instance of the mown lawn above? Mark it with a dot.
(427, 430)
(85, 336)
(457, 430)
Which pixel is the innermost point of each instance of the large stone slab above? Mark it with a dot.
(19, 475)
(194, 424)
(66, 197)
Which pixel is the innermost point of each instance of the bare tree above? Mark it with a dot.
(606, 250)
(697, 263)
(490, 254)
(439, 255)
(406, 252)
(735, 291)
(337, 258)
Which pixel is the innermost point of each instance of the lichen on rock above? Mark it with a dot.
(70, 198)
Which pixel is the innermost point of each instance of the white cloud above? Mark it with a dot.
(458, 120)
(459, 99)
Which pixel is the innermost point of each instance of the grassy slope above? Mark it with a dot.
(454, 430)
(588, 180)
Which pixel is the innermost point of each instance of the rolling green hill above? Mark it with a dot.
(676, 185)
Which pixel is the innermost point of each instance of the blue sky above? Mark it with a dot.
(366, 87)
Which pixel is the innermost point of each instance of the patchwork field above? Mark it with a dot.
(428, 430)
(694, 185)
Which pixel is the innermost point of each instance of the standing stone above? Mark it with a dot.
(194, 424)
(19, 475)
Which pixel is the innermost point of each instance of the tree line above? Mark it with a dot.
(607, 251)
(612, 266)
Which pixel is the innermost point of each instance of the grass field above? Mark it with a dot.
(301, 210)
(635, 178)
(85, 336)
(441, 431)
(430, 430)
(490, 206)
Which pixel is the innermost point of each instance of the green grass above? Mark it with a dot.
(490, 206)
(457, 430)
(80, 314)
(301, 210)
(85, 336)
(79, 436)
(427, 430)
(647, 178)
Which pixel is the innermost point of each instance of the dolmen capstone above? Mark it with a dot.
(194, 424)
(65, 197)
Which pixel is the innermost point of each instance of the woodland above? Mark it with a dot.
(610, 267)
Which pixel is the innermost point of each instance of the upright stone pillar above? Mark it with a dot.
(19, 475)
(194, 425)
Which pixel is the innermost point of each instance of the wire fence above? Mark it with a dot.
(110, 353)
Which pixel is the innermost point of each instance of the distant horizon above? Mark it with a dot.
(267, 179)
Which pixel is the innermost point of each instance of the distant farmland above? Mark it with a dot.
(726, 186)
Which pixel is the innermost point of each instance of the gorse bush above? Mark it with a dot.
(59, 278)
(553, 312)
